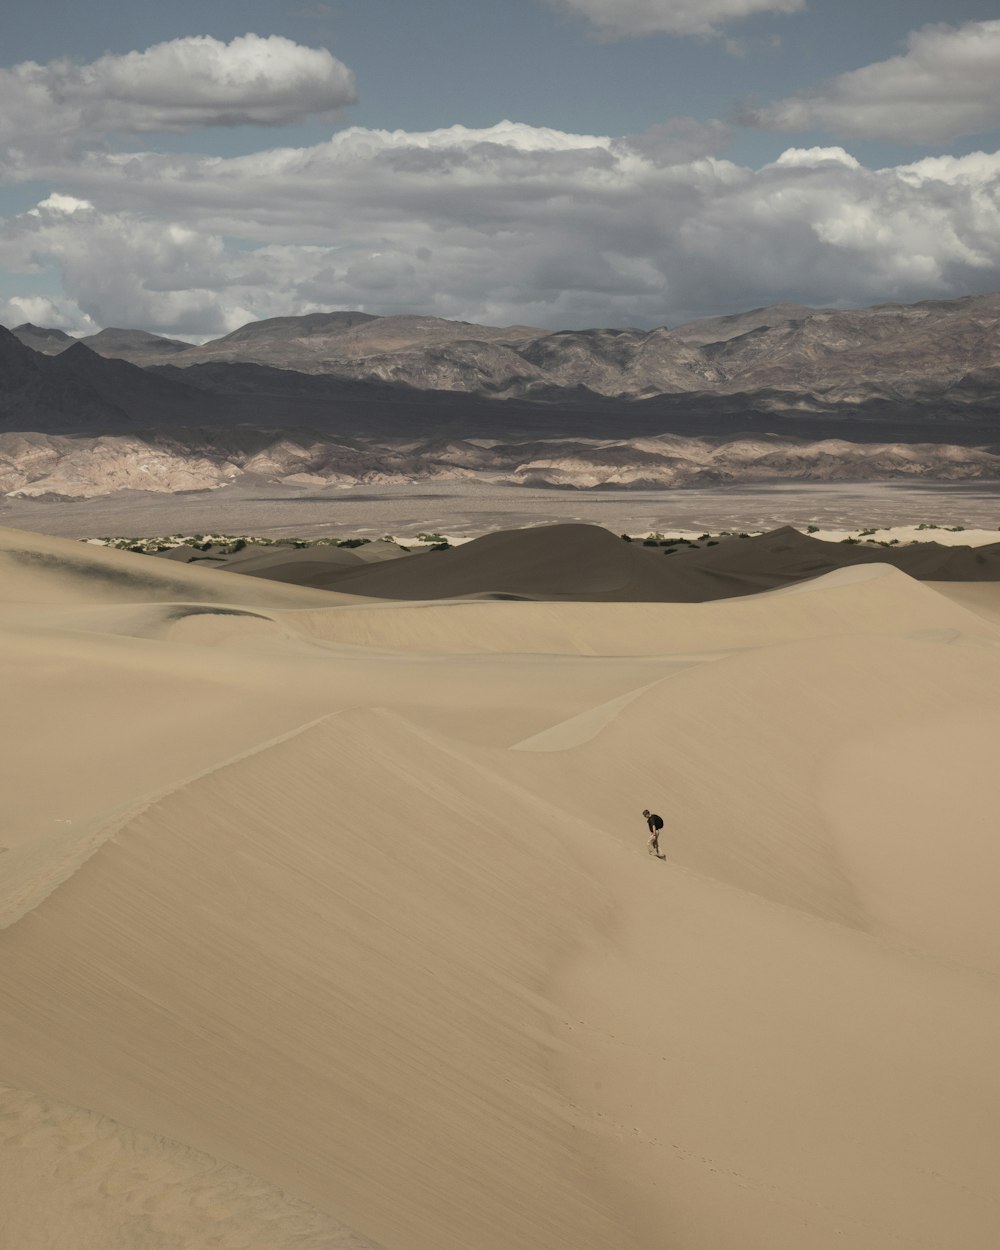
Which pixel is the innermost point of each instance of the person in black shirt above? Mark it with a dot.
(655, 824)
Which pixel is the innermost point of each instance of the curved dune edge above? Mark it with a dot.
(582, 727)
(871, 599)
(34, 869)
(119, 1189)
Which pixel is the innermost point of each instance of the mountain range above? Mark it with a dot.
(341, 397)
(948, 349)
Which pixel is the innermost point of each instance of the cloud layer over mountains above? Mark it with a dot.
(508, 223)
(501, 225)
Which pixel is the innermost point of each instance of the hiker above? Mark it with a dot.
(655, 824)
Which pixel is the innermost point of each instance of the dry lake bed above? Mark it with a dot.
(463, 509)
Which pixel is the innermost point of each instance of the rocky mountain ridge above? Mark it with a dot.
(934, 350)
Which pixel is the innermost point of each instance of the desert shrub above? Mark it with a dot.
(352, 542)
(627, 538)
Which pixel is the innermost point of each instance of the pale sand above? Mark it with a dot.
(99, 1183)
(915, 534)
(332, 923)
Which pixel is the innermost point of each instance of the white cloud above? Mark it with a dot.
(816, 156)
(944, 85)
(506, 224)
(56, 203)
(626, 18)
(41, 310)
(173, 86)
(975, 170)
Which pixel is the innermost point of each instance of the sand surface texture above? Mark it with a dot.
(328, 921)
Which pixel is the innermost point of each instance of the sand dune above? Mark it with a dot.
(588, 563)
(869, 599)
(39, 569)
(306, 566)
(329, 920)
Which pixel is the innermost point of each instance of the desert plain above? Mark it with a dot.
(328, 917)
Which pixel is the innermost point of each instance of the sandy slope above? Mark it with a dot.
(78, 1168)
(330, 922)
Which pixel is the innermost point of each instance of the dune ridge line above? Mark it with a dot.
(34, 870)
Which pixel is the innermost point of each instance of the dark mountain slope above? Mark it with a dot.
(41, 339)
(135, 346)
(35, 394)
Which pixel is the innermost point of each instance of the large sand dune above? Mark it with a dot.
(329, 921)
(588, 563)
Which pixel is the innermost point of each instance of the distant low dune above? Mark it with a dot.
(587, 563)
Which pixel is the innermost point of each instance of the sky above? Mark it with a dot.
(188, 168)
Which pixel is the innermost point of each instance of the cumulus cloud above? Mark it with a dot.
(815, 156)
(510, 223)
(126, 269)
(42, 310)
(56, 203)
(619, 19)
(943, 86)
(173, 86)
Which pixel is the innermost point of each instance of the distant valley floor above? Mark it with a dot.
(464, 509)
